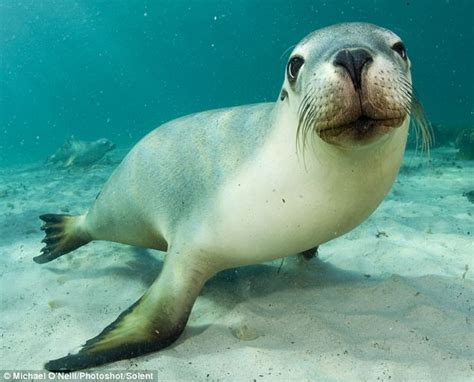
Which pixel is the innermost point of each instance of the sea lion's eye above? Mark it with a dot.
(294, 66)
(400, 49)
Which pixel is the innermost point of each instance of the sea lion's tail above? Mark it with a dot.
(64, 233)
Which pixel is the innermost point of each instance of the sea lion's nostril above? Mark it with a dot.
(353, 61)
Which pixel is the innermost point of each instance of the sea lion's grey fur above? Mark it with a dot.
(247, 184)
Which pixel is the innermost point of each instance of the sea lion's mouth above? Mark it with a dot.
(348, 114)
(363, 128)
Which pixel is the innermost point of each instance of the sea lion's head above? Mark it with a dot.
(104, 144)
(350, 84)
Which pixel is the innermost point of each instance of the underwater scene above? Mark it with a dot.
(245, 190)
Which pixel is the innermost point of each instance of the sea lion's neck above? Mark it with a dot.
(357, 178)
(388, 149)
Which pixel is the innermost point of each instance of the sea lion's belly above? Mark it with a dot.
(280, 204)
(255, 224)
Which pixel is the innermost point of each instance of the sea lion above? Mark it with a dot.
(79, 153)
(243, 185)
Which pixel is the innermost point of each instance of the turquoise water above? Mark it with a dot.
(117, 69)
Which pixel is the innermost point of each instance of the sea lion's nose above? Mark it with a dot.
(353, 61)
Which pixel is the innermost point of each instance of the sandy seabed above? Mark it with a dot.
(391, 300)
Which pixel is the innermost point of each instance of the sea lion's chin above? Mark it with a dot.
(360, 132)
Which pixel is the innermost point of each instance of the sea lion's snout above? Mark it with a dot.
(372, 94)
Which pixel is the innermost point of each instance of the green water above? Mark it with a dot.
(117, 69)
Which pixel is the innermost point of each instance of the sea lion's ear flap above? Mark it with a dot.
(151, 324)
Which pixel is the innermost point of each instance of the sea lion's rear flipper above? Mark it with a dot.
(64, 233)
(152, 323)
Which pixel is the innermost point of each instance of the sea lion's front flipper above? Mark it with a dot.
(152, 323)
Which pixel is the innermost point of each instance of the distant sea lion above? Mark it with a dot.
(248, 184)
(79, 153)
